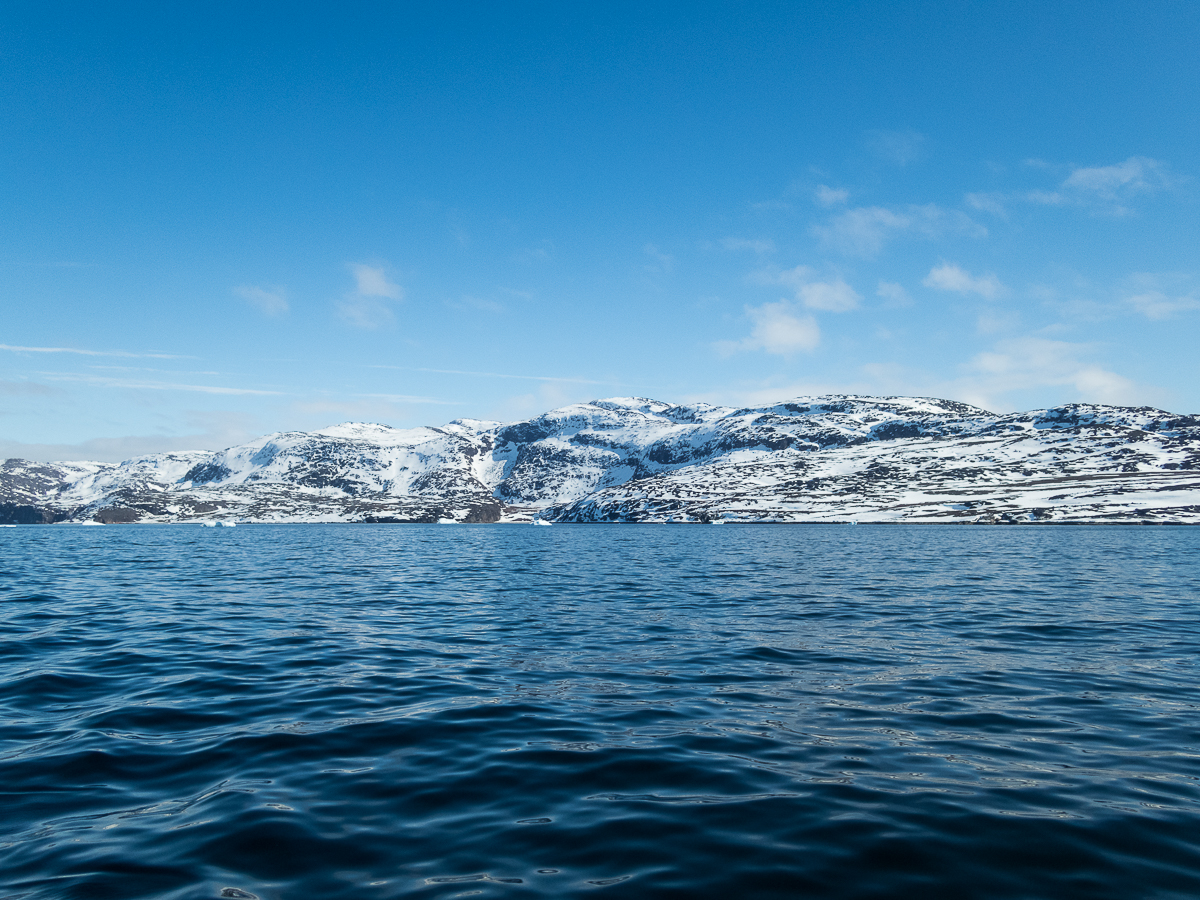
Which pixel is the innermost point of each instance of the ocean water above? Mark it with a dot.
(599, 711)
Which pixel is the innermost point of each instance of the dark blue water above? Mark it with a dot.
(616, 711)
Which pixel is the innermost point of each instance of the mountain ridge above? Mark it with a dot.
(837, 457)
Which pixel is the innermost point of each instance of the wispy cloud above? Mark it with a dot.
(863, 231)
(321, 411)
(830, 295)
(1138, 174)
(139, 385)
(996, 379)
(1044, 198)
(1006, 376)
(893, 294)
(1157, 305)
(215, 429)
(774, 390)
(408, 398)
(481, 304)
(827, 196)
(989, 202)
(566, 380)
(761, 246)
(270, 301)
(551, 395)
(1102, 189)
(367, 306)
(899, 147)
(1160, 296)
(539, 254)
(26, 389)
(949, 277)
(175, 372)
(372, 281)
(997, 321)
(123, 353)
(1034, 362)
(768, 206)
(777, 328)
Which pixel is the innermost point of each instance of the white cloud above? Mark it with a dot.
(176, 372)
(777, 329)
(1160, 295)
(829, 296)
(769, 206)
(774, 390)
(311, 413)
(899, 147)
(1104, 189)
(1157, 305)
(827, 196)
(1136, 174)
(1017, 373)
(1045, 198)
(1034, 362)
(531, 255)
(992, 202)
(367, 307)
(761, 247)
(365, 312)
(1105, 386)
(269, 301)
(217, 429)
(489, 375)
(26, 389)
(864, 230)
(141, 385)
(893, 294)
(949, 277)
(992, 321)
(72, 350)
(372, 281)
(482, 304)
(546, 397)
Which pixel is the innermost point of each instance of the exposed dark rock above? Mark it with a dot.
(206, 473)
(24, 514)
(484, 513)
(837, 458)
(523, 433)
(117, 515)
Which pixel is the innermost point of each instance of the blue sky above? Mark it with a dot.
(218, 222)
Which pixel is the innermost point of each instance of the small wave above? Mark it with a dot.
(367, 712)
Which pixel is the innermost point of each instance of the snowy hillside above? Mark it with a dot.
(833, 458)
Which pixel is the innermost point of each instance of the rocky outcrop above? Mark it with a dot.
(812, 459)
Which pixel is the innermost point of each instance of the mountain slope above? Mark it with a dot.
(832, 458)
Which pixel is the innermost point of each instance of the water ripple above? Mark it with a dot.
(374, 712)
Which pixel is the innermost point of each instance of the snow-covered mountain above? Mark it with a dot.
(813, 459)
